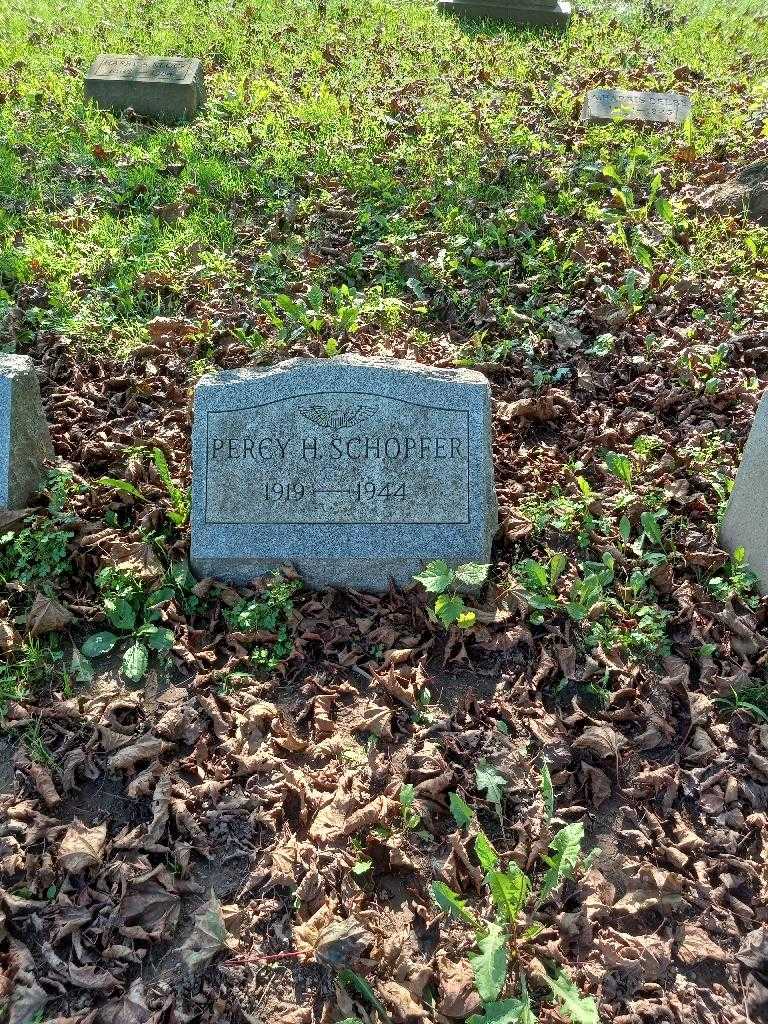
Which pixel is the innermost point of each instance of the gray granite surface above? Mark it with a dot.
(169, 89)
(24, 438)
(602, 106)
(353, 469)
(745, 524)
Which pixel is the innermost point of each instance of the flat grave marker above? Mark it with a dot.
(24, 439)
(552, 13)
(603, 106)
(745, 525)
(353, 469)
(169, 89)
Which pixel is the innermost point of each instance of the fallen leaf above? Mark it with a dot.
(209, 936)
(695, 945)
(47, 615)
(82, 847)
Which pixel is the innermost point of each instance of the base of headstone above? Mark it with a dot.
(24, 439)
(606, 106)
(169, 89)
(551, 13)
(744, 522)
(356, 471)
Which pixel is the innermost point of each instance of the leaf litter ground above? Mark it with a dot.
(249, 822)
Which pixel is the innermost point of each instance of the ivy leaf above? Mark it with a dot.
(577, 1008)
(99, 643)
(461, 811)
(135, 662)
(437, 577)
(485, 852)
(453, 904)
(547, 792)
(567, 846)
(448, 608)
(467, 619)
(491, 783)
(489, 966)
(472, 574)
(509, 890)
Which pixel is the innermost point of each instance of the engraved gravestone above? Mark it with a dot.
(24, 439)
(602, 106)
(354, 470)
(166, 88)
(552, 13)
(744, 525)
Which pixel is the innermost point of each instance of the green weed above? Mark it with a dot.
(440, 579)
(736, 580)
(751, 698)
(515, 898)
(270, 612)
(134, 609)
(38, 554)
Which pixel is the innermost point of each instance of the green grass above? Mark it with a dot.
(369, 147)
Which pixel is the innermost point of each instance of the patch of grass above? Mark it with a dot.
(752, 698)
(384, 186)
(25, 668)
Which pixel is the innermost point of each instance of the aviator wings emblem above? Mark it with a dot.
(341, 416)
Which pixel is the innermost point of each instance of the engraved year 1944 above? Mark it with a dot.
(363, 490)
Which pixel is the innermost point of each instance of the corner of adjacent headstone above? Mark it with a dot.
(744, 523)
(25, 443)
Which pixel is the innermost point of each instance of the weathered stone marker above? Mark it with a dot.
(745, 525)
(602, 106)
(354, 470)
(24, 438)
(169, 89)
(746, 191)
(553, 13)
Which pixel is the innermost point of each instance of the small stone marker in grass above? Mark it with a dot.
(603, 106)
(745, 524)
(24, 438)
(354, 470)
(169, 89)
(554, 13)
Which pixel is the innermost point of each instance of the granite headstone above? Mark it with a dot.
(552, 13)
(354, 470)
(24, 439)
(603, 106)
(169, 89)
(745, 524)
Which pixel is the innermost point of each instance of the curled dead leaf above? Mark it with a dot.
(82, 847)
(47, 615)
